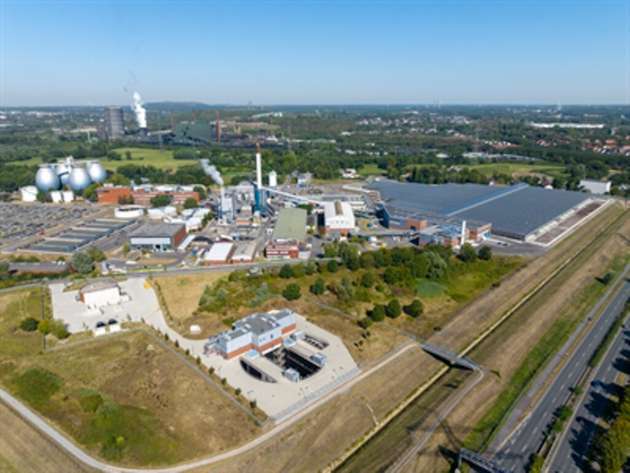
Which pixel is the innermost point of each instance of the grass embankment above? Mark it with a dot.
(519, 169)
(122, 397)
(550, 342)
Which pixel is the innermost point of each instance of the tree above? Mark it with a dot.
(96, 254)
(29, 324)
(377, 314)
(318, 287)
(4, 269)
(436, 266)
(286, 272)
(201, 192)
(82, 262)
(89, 193)
(332, 266)
(467, 253)
(391, 276)
(161, 200)
(190, 203)
(393, 309)
(415, 309)
(485, 253)
(292, 292)
(368, 279)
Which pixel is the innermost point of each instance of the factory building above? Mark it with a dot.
(100, 293)
(157, 237)
(517, 211)
(114, 123)
(595, 187)
(289, 235)
(115, 195)
(262, 332)
(219, 253)
(338, 218)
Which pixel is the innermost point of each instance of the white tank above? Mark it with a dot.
(79, 179)
(46, 179)
(96, 172)
(273, 179)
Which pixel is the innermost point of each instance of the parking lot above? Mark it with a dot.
(19, 222)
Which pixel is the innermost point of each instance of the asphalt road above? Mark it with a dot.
(570, 452)
(516, 452)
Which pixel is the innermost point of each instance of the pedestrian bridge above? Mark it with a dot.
(451, 358)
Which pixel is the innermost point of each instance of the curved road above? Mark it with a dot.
(70, 447)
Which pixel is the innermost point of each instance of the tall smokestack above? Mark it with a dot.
(218, 127)
(463, 236)
(258, 167)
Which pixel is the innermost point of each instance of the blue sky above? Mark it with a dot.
(314, 52)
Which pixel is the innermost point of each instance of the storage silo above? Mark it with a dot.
(79, 179)
(46, 179)
(96, 171)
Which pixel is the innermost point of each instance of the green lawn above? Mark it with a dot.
(519, 168)
(162, 159)
(426, 288)
(370, 170)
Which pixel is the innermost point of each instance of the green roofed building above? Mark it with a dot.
(289, 235)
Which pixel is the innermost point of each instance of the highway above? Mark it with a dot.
(529, 435)
(569, 454)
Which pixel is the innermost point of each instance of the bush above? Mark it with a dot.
(318, 287)
(377, 314)
(291, 292)
(393, 309)
(485, 253)
(29, 324)
(161, 200)
(365, 322)
(286, 272)
(368, 279)
(415, 309)
(467, 253)
(332, 266)
(190, 203)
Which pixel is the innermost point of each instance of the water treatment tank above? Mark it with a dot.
(46, 179)
(96, 171)
(79, 179)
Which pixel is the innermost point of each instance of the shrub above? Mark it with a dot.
(485, 253)
(365, 322)
(467, 253)
(332, 266)
(291, 292)
(377, 314)
(286, 272)
(368, 279)
(393, 309)
(415, 309)
(29, 324)
(318, 287)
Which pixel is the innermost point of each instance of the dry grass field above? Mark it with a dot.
(27, 451)
(124, 397)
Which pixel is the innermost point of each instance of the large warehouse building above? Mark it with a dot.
(517, 211)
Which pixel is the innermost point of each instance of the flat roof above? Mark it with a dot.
(514, 211)
(219, 251)
(291, 225)
(157, 230)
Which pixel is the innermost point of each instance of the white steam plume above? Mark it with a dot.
(139, 110)
(211, 171)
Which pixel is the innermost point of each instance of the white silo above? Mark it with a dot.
(273, 179)
(63, 172)
(79, 179)
(46, 179)
(96, 171)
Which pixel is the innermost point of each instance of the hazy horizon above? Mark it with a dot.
(318, 53)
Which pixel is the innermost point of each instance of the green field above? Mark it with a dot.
(489, 169)
(370, 170)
